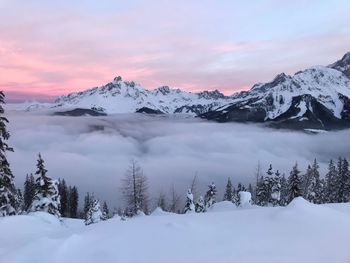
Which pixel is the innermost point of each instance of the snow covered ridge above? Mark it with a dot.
(315, 98)
(121, 96)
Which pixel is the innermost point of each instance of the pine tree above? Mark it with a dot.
(210, 196)
(105, 211)
(8, 192)
(200, 206)
(276, 189)
(270, 171)
(29, 191)
(294, 184)
(312, 185)
(46, 197)
(284, 191)
(20, 202)
(235, 196)
(261, 195)
(189, 206)
(63, 191)
(73, 202)
(228, 196)
(87, 204)
(331, 181)
(94, 214)
(343, 181)
(241, 187)
(134, 189)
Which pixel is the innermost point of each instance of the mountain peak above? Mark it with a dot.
(343, 65)
(117, 78)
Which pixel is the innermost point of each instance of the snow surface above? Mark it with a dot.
(300, 232)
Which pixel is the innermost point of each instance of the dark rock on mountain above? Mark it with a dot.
(80, 112)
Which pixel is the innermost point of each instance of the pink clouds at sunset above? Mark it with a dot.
(49, 48)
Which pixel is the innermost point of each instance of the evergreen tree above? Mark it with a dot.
(46, 197)
(294, 184)
(312, 185)
(261, 194)
(276, 189)
(73, 202)
(134, 189)
(8, 192)
(63, 191)
(189, 206)
(94, 214)
(200, 206)
(332, 184)
(87, 203)
(284, 191)
(270, 171)
(241, 187)
(29, 191)
(105, 211)
(20, 202)
(235, 196)
(343, 181)
(228, 196)
(210, 196)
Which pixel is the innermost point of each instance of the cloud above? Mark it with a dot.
(170, 150)
(53, 48)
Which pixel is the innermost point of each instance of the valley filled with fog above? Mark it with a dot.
(94, 152)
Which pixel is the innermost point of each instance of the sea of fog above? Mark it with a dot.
(94, 152)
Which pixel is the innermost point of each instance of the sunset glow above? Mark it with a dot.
(50, 48)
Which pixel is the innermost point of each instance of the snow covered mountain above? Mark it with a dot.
(121, 96)
(316, 98)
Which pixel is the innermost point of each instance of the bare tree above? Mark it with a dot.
(258, 176)
(134, 189)
(161, 201)
(194, 185)
(174, 200)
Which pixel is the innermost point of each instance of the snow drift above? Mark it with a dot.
(300, 232)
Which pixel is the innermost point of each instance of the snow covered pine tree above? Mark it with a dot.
(294, 184)
(8, 192)
(200, 206)
(210, 196)
(189, 206)
(94, 214)
(46, 197)
(228, 196)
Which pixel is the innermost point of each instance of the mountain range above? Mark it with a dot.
(314, 98)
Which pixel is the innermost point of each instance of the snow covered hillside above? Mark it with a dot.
(300, 232)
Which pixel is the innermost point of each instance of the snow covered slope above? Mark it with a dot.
(301, 232)
(126, 97)
(318, 98)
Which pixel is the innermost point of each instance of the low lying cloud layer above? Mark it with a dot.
(94, 153)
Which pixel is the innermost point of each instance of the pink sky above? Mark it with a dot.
(53, 48)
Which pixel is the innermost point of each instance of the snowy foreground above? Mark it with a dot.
(301, 232)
